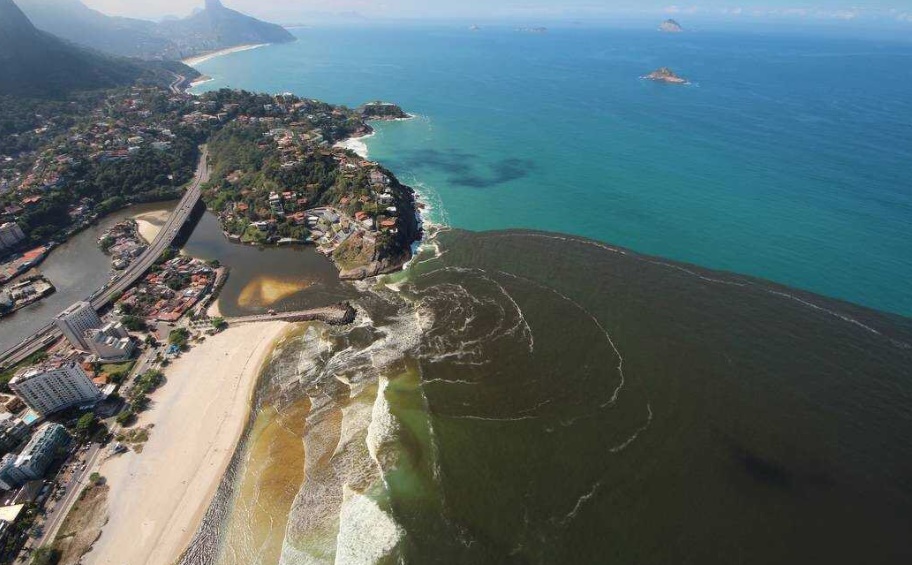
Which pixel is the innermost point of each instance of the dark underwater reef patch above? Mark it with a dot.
(470, 170)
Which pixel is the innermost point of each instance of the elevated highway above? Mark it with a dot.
(101, 298)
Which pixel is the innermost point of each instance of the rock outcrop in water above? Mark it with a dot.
(665, 75)
(382, 111)
(670, 26)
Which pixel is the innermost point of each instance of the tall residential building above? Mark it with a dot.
(10, 235)
(35, 458)
(75, 321)
(54, 385)
(12, 432)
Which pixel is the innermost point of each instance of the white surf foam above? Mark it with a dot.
(367, 534)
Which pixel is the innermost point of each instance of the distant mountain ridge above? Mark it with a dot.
(210, 28)
(37, 64)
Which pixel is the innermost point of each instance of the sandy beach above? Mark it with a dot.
(158, 498)
(149, 224)
(357, 145)
(193, 61)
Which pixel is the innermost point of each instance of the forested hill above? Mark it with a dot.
(75, 22)
(34, 63)
(218, 27)
(209, 29)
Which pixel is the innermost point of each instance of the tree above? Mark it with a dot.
(218, 324)
(179, 337)
(133, 323)
(85, 425)
(46, 556)
(125, 417)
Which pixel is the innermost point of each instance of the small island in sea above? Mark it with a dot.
(670, 26)
(666, 75)
(381, 111)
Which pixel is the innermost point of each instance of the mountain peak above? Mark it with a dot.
(12, 19)
(214, 5)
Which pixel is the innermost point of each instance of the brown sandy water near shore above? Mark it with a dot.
(271, 472)
(587, 405)
(265, 291)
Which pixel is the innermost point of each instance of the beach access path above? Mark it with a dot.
(159, 497)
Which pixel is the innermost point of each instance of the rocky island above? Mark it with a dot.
(382, 111)
(670, 26)
(666, 75)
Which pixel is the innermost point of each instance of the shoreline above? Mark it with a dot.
(357, 144)
(198, 418)
(198, 59)
(201, 80)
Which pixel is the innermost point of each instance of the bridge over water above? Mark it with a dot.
(169, 232)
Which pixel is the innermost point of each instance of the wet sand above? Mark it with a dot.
(149, 223)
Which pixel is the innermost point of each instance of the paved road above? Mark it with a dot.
(74, 488)
(49, 333)
(178, 82)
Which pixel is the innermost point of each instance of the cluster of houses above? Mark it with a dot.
(367, 207)
(117, 129)
(169, 292)
(123, 244)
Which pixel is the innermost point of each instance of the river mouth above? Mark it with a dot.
(491, 408)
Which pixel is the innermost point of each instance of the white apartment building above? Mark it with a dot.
(75, 321)
(54, 385)
(111, 343)
(35, 458)
(10, 235)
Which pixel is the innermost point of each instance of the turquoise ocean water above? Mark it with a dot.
(788, 158)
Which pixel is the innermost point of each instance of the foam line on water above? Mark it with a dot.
(844, 317)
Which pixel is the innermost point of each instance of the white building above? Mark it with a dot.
(10, 235)
(75, 321)
(54, 385)
(111, 342)
(275, 204)
(35, 458)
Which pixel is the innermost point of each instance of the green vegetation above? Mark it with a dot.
(46, 556)
(134, 323)
(218, 324)
(86, 425)
(126, 417)
(138, 395)
(149, 381)
(179, 337)
(114, 368)
(167, 255)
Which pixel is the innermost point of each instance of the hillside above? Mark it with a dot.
(215, 27)
(35, 63)
(218, 27)
(75, 22)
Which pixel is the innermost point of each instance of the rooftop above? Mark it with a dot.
(41, 368)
